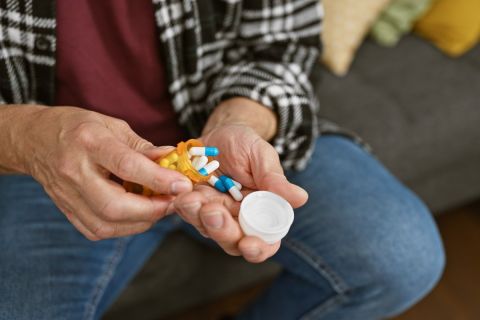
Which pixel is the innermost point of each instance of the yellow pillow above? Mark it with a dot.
(345, 25)
(452, 25)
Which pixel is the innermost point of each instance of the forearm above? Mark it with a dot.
(243, 111)
(15, 121)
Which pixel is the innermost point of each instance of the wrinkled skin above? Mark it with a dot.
(72, 153)
(254, 163)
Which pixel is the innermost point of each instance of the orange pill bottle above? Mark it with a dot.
(179, 160)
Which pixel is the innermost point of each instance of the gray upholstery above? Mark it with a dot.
(418, 109)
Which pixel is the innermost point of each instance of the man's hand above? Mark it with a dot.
(72, 153)
(249, 159)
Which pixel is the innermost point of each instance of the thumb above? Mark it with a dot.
(268, 175)
(278, 184)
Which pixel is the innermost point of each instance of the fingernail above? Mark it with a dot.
(213, 219)
(192, 208)
(180, 186)
(251, 252)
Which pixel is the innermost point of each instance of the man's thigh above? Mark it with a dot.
(363, 240)
(48, 270)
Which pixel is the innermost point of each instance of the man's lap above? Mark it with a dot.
(359, 220)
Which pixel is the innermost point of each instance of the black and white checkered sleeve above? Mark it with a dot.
(275, 52)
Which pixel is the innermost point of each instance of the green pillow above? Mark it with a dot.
(397, 19)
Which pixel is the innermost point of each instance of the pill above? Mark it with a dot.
(209, 168)
(172, 157)
(232, 189)
(172, 166)
(217, 184)
(203, 151)
(236, 183)
(164, 163)
(194, 161)
(199, 162)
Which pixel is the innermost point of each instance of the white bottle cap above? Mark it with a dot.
(265, 215)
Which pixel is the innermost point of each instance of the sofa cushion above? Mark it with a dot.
(345, 25)
(418, 109)
(452, 25)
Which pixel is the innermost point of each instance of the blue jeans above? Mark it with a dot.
(363, 247)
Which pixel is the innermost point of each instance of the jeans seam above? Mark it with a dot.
(317, 263)
(105, 277)
(316, 312)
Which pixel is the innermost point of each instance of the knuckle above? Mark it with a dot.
(139, 143)
(159, 185)
(122, 124)
(125, 166)
(154, 212)
(104, 231)
(91, 236)
(83, 135)
(110, 210)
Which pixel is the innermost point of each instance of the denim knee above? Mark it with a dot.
(403, 268)
(376, 240)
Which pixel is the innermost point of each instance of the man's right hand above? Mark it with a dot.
(72, 152)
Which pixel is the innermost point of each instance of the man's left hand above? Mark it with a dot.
(253, 162)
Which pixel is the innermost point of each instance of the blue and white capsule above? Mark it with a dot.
(232, 188)
(217, 184)
(236, 183)
(199, 162)
(209, 168)
(204, 151)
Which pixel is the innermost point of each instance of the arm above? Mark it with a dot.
(14, 121)
(262, 93)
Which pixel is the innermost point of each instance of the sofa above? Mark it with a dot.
(419, 111)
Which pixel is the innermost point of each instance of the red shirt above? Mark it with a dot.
(108, 60)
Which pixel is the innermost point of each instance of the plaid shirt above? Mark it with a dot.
(212, 50)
